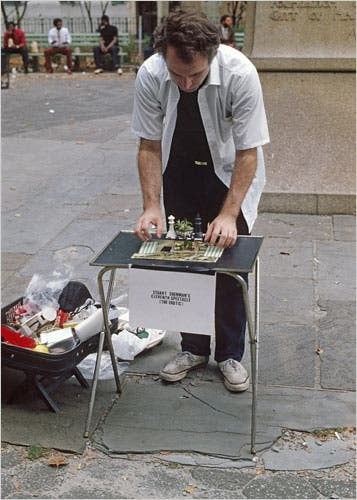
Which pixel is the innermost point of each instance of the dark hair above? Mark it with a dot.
(9, 23)
(188, 32)
(223, 18)
(57, 20)
(105, 18)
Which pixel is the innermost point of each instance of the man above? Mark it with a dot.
(14, 43)
(59, 39)
(226, 31)
(199, 114)
(108, 45)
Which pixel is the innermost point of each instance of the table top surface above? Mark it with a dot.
(240, 258)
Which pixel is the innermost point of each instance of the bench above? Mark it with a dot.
(82, 46)
(239, 38)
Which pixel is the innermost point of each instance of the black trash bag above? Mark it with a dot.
(73, 295)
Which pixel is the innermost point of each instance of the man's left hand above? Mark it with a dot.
(222, 232)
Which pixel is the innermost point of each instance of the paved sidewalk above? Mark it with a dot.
(69, 185)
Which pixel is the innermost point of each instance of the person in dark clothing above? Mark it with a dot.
(14, 43)
(108, 44)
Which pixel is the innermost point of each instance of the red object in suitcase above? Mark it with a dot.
(15, 338)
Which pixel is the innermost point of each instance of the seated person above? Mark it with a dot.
(60, 39)
(14, 43)
(108, 44)
(226, 31)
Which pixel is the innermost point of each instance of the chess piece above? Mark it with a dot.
(171, 234)
(198, 235)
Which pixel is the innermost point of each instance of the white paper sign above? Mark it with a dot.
(181, 302)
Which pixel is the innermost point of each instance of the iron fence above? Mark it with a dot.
(77, 24)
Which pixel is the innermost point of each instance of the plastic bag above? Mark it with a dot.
(42, 293)
(127, 344)
(87, 366)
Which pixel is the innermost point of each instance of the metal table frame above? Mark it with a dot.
(253, 323)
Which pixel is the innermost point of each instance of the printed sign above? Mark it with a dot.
(181, 302)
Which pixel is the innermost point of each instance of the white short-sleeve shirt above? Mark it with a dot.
(232, 110)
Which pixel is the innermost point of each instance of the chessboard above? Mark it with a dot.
(178, 250)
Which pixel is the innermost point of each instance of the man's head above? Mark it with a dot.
(226, 21)
(188, 41)
(189, 33)
(10, 26)
(58, 23)
(105, 20)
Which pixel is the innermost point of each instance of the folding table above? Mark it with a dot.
(241, 258)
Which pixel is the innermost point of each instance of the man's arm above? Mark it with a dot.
(150, 173)
(113, 42)
(22, 41)
(222, 232)
(51, 38)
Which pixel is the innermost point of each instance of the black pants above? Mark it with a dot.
(99, 57)
(189, 189)
(5, 55)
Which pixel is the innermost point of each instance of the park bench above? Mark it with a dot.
(239, 38)
(82, 47)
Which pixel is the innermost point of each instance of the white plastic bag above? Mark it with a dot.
(87, 366)
(41, 293)
(127, 345)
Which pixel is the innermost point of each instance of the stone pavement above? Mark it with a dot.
(69, 185)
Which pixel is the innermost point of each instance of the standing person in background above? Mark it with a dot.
(14, 43)
(226, 31)
(200, 118)
(59, 39)
(108, 44)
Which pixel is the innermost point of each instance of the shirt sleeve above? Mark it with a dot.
(51, 38)
(250, 127)
(22, 38)
(67, 36)
(147, 120)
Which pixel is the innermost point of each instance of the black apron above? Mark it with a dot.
(190, 184)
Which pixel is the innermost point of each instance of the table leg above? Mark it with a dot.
(94, 384)
(106, 333)
(252, 329)
(105, 301)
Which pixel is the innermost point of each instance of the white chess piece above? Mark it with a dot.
(171, 234)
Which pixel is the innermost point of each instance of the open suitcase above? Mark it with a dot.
(45, 372)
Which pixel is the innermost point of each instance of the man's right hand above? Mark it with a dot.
(151, 216)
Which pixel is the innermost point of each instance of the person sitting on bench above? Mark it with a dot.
(14, 43)
(108, 44)
(60, 39)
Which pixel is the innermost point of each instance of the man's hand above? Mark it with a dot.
(222, 232)
(151, 216)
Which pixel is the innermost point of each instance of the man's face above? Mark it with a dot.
(228, 22)
(187, 76)
(59, 25)
(11, 28)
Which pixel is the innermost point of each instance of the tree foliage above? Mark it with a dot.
(236, 10)
(13, 11)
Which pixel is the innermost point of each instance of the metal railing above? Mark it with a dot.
(77, 24)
